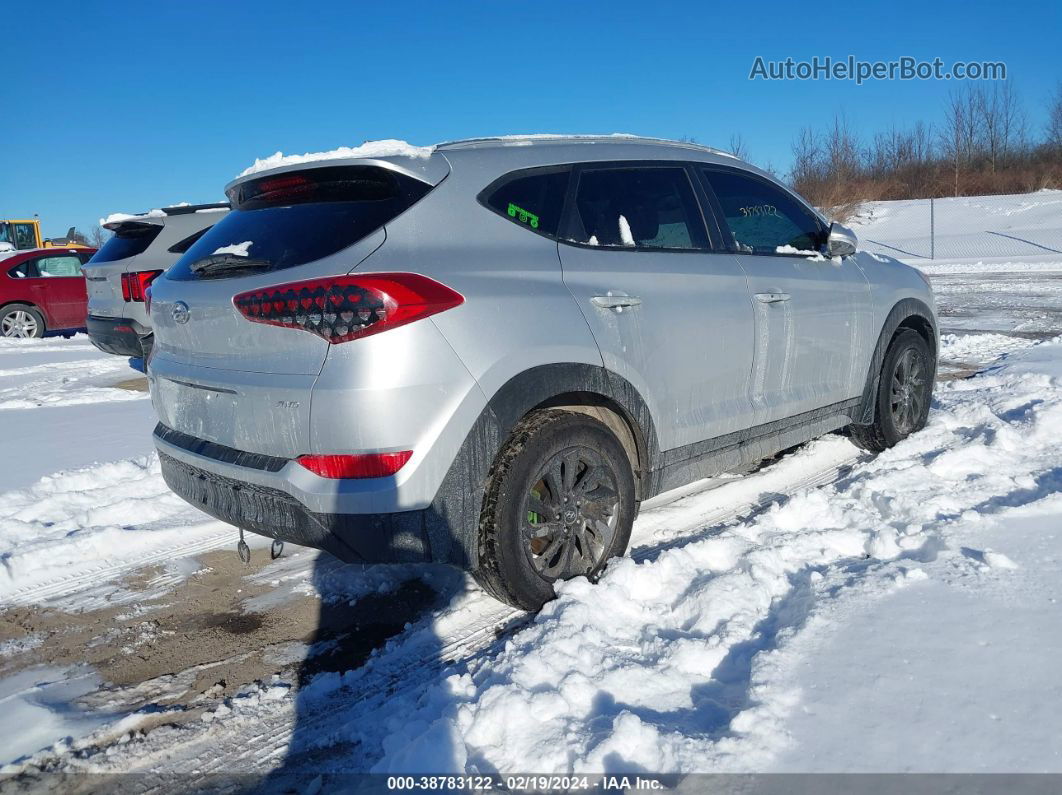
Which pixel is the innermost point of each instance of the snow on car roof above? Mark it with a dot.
(181, 208)
(389, 147)
(392, 147)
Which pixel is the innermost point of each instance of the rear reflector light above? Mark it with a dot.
(343, 308)
(134, 284)
(365, 465)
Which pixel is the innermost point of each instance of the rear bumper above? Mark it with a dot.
(398, 537)
(119, 336)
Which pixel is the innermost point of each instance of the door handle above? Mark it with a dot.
(771, 298)
(615, 301)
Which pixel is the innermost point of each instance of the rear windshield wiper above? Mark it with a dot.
(228, 264)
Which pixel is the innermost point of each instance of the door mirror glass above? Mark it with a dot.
(842, 241)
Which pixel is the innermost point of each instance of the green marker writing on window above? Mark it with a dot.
(524, 215)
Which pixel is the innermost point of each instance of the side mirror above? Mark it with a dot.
(841, 241)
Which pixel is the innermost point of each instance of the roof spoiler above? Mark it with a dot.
(115, 221)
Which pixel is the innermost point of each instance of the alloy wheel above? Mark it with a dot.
(19, 323)
(907, 396)
(570, 514)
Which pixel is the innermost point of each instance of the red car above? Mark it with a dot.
(43, 290)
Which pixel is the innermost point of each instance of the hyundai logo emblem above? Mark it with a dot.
(180, 312)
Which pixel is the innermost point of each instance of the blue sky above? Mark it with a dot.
(127, 107)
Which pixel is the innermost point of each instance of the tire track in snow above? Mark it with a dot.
(78, 530)
(89, 576)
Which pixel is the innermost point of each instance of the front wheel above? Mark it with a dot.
(559, 503)
(905, 389)
(21, 321)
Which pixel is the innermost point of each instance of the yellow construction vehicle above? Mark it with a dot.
(22, 234)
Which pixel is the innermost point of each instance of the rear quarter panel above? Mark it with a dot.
(517, 313)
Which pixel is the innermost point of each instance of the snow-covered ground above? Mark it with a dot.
(830, 611)
(965, 227)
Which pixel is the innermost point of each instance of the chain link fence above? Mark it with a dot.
(967, 227)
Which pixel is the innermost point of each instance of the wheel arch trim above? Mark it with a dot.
(906, 313)
(452, 520)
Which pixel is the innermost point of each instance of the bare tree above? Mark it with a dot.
(1001, 123)
(842, 151)
(738, 148)
(982, 147)
(97, 237)
(806, 155)
(1054, 120)
(960, 133)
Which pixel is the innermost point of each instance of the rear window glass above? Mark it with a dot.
(128, 241)
(285, 220)
(533, 199)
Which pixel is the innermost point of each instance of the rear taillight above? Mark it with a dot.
(134, 284)
(344, 308)
(365, 465)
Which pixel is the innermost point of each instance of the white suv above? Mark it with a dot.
(118, 275)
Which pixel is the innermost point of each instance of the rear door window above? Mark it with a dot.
(62, 265)
(637, 208)
(24, 270)
(533, 199)
(289, 219)
(762, 217)
(128, 240)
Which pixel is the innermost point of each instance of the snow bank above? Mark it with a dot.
(978, 227)
(661, 665)
(74, 527)
(386, 148)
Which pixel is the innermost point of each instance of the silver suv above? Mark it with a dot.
(489, 353)
(142, 246)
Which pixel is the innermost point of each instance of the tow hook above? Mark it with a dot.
(276, 549)
(243, 550)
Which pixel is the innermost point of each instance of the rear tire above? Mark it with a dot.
(21, 321)
(905, 389)
(559, 503)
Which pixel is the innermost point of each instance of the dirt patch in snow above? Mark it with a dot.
(198, 643)
(134, 384)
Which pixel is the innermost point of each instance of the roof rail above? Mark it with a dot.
(547, 138)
